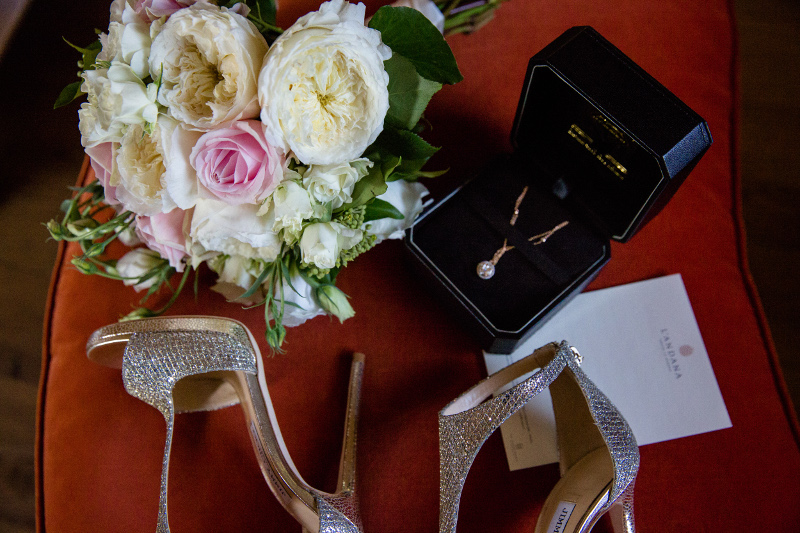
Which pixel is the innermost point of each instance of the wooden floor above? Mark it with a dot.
(41, 154)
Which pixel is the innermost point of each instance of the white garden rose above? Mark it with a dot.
(233, 230)
(407, 197)
(322, 243)
(134, 264)
(210, 58)
(334, 183)
(323, 89)
(139, 169)
(291, 205)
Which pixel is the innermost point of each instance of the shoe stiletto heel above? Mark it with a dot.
(181, 364)
(599, 457)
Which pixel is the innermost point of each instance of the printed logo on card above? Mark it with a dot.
(671, 352)
(561, 517)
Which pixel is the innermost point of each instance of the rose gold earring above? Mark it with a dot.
(486, 269)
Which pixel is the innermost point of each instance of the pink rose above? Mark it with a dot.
(151, 10)
(237, 164)
(163, 233)
(101, 157)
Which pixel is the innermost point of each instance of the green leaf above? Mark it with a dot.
(368, 187)
(68, 94)
(89, 53)
(266, 9)
(408, 33)
(403, 143)
(259, 280)
(381, 209)
(409, 93)
(389, 163)
(262, 12)
(408, 170)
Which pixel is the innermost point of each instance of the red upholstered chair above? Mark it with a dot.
(99, 449)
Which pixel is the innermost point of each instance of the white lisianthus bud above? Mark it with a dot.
(135, 264)
(137, 100)
(323, 89)
(334, 183)
(210, 58)
(322, 243)
(334, 302)
(291, 206)
(128, 236)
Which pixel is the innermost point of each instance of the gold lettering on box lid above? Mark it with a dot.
(607, 160)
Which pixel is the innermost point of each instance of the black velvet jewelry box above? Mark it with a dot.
(601, 145)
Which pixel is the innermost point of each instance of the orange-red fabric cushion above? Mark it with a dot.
(99, 449)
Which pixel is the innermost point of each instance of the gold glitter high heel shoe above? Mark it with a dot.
(599, 457)
(179, 364)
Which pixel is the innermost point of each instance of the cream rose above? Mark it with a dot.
(322, 243)
(323, 89)
(210, 58)
(139, 173)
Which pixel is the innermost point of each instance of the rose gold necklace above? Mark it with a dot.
(486, 269)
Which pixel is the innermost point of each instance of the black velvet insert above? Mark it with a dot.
(471, 225)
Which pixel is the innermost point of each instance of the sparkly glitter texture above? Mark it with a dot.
(461, 434)
(339, 514)
(159, 352)
(157, 356)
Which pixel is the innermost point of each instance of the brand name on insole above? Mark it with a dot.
(561, 517)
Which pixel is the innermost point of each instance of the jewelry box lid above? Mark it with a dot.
(608, 137)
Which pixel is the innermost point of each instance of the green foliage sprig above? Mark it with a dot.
(466, 16)
(84, 222)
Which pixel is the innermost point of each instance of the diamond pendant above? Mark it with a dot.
(485, 269)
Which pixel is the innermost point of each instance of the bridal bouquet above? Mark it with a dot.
(274, 157)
